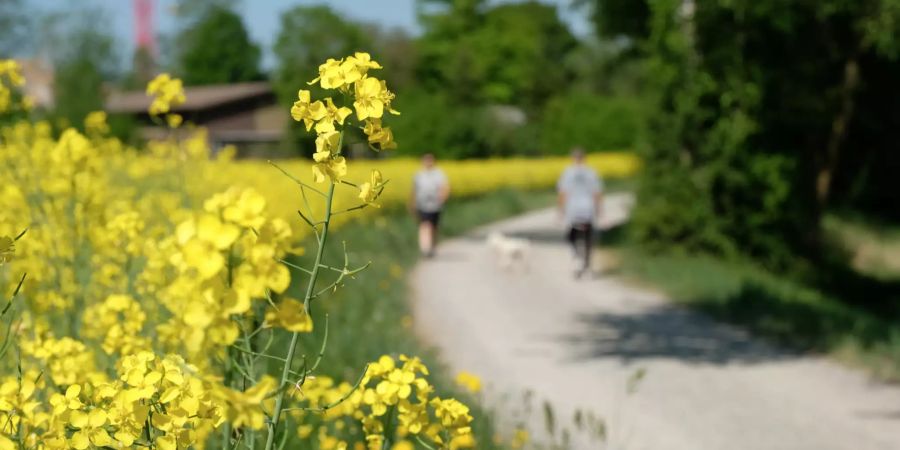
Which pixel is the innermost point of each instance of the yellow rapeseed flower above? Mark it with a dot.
(328, 163)
(90, 429)
(381, 138)
(469, 381)
(174, 120)
(520, 439)
(95, 123)
(370, 190)
(332, 114)
(368, 99)
(167, 92)
(306, 111)
(13, 71)
(290, 315)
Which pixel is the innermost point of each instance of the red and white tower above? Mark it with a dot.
(144, 57)
(143, 26)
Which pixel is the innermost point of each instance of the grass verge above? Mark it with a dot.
(369, 316)
(819, 317)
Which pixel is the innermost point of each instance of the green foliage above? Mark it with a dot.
(521, 46)
(84, 58)
(614, 18)
(308, 36)
(217, 49)
(483, 79)
(311, 34)
(762, 135)
(591, 121)
(486, 73)
(429, 124)
(510, 53)
(432, 123)
(124, 127)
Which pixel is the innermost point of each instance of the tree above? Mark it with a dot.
(84, 57)
(216, 48)
(617, 18)
(492, 69)
(308, 36)
(509, 53)
(394, 48)
(758, 108)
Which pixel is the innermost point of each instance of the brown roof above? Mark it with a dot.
(198, 97)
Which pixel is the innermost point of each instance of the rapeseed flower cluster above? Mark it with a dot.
(155, 291)
(167, 93)
(93, 366)
(393, 401)
(10, 79)
(152, 293)
(371, 98)
(149, 401)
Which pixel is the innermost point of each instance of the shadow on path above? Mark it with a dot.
(664, 332)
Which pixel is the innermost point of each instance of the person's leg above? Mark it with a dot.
(423, 231)
(572, 237)
(588, 245)
(435, 220)
(425, 240)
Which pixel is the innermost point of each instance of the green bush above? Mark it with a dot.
(433, 123)
(590, 121)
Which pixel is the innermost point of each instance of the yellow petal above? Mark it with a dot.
(169, 395)
(80, 440)
(211, 229)
(125, 438)
(73, 391)
(96, 418)
(78, 419)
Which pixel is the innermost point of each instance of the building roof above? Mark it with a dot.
(38, 73)
(198, 97)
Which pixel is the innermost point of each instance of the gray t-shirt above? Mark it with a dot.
(427, 185)
(579, 183)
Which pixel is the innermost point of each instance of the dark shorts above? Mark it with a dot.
(430, 217)
(581, 227)
(581, 231)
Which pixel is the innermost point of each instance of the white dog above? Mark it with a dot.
(511, 252)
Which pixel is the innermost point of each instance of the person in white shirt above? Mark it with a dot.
(430, 191)
(580, 195)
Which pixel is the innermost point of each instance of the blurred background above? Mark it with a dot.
(476, 79)
(767, 128)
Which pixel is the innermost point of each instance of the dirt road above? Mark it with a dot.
(576, 343)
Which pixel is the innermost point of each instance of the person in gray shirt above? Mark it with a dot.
(579, 197)
(430, 191)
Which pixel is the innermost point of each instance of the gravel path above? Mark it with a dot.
(576, 344)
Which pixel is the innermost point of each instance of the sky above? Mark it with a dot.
(262, 17)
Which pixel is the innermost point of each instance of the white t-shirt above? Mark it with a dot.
(579, 183)
(427, 185)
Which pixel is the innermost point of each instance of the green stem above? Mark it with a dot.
(310, 289)
(389, 429)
